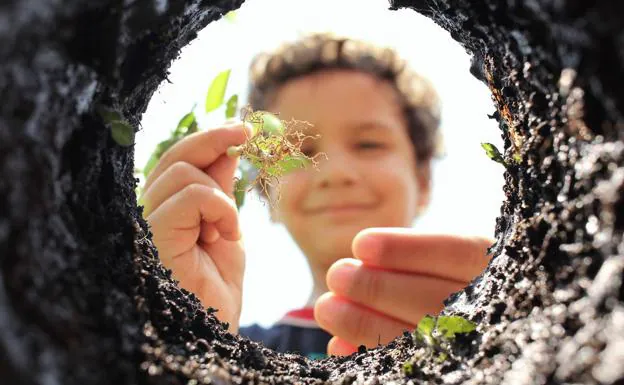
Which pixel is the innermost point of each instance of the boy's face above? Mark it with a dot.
(370, 177)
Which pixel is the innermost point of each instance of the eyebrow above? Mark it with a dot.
(369, 125)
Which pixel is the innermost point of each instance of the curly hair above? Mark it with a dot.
(323, 51)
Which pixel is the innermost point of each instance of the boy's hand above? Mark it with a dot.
(190, 207)
(397, 278)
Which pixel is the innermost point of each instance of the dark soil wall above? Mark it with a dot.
(84, 300)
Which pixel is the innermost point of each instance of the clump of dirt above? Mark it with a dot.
(83, 298)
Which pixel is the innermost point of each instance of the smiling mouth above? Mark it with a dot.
(343, 210)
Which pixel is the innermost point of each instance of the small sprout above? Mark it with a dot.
(434, 330)
(108, 115)
(449, 326)
(442, 357)
(231, 106)
(216, 91)
(122, 132)
(492, 152)
(425, 329)
(272, 149)
(408, 368)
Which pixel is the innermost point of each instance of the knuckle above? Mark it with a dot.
(372, 286)
(195, 191)
(361, 326)
(182, 170)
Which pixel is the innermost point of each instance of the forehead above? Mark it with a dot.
(339, 97)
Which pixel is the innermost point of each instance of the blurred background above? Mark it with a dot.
(467, 186)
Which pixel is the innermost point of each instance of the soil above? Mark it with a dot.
(83, 298)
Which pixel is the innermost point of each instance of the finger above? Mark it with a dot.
(201, 149)
(356, 324)
(171, 181)
(403, 296)
(230, 266)
(176, 222)
(339, 347)
(222, 171)
(446, 256)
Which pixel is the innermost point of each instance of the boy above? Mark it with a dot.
(378, 126)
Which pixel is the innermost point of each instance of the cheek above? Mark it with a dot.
(399, 187)
(293, 186)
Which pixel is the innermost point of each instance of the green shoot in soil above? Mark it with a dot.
(435, 332)
(122, 132)
(492, 152)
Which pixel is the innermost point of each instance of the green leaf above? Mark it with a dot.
(240, 188)
(424, 329)
(192, 128)
(122, 133)
(184, 124)
(449, 326)
(426, 325)
(107, 114)
(216, 92)
(254, 161)
(492, 152)
(231, 106)
(290, 163)
(269, 124)
(408, 368)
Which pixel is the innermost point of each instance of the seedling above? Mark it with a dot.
(273, 149)
(122, 132)
(492, 152)
(435, 332)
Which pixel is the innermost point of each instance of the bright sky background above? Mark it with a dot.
(467, 186)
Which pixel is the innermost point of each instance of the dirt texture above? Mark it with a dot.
(84, 300)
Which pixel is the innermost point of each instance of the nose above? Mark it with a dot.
(337, 170)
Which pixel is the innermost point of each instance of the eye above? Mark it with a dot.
(369, 145)
(308, 151)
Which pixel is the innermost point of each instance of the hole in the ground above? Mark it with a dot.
(466, 188)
